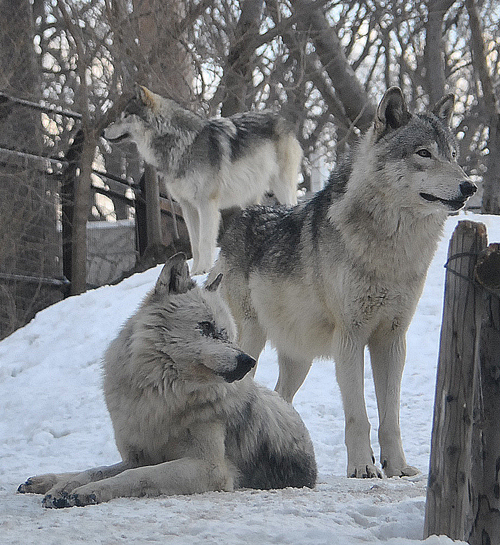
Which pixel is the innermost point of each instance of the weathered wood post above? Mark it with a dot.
(447, 505)
(73, 157)
(152, 197)
(485, 486)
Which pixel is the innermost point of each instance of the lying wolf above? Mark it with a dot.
(185, 418)
(346, 269)
(211, 164)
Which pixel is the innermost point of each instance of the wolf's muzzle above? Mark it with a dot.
(116, 140)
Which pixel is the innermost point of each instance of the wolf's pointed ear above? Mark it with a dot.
(174, 277)
(392, 112)
(444, 108)
(214, 286)
(146, 96)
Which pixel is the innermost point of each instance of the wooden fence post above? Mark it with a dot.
(73, 157)
(485, 486)
(447, 505)
(152, 194)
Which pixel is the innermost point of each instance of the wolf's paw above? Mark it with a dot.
(199, 270)
(52, 501)
(81, 499)
(38, 485)
(365, 471)
(406, 471)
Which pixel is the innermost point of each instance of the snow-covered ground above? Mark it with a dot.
(53, 418)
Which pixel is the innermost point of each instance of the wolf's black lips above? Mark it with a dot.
(427, 197)
(454, 204)
(118, 138)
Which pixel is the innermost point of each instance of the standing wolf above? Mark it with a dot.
(209, 165)
(346, 269)
(185, 419)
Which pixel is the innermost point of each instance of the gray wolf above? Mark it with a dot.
(345, 269)
(185, 417)
(209, 165)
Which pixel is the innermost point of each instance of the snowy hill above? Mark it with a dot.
(53, 419)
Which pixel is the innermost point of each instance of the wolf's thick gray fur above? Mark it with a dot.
(211, 164)
(345, 270)
(185, 419)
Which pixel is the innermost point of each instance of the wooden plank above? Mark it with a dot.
(485, 488)
(447, 504)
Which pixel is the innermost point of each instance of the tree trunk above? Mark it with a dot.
(168, 69)
(433, 52)
(353, 96)
(82, 205)
(491, 180)
(238, 72)
(29, 243)
(153, 212)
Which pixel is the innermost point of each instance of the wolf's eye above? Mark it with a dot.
(424, 152)
(207, 328)
(453, 154)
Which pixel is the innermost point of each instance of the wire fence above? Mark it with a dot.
(35, 247)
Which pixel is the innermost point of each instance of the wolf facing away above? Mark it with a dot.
(185, 418)
(345, 270)
(209, 165)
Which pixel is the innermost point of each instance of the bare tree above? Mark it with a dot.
(29, 247)
(435, 78)
(323, 63)
(491, 111)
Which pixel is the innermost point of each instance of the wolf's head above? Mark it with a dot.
(148, 114)
(420, 152)
(191, 329)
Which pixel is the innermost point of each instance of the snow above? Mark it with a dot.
(53, 419)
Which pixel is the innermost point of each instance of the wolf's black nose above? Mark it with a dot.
(243, 364)
(468, 188)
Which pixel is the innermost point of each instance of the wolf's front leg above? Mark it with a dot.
(58, 487)
(388, 353)
(349, 365)
(41, 484)
(183, 476)
(291, 376)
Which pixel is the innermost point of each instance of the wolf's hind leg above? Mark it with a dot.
(289, 155)
(251, 339)
(291, 376)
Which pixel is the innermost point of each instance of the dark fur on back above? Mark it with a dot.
(270, 238)
(240, 131)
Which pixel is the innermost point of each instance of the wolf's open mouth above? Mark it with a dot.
(118, 138)
(454, 204)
